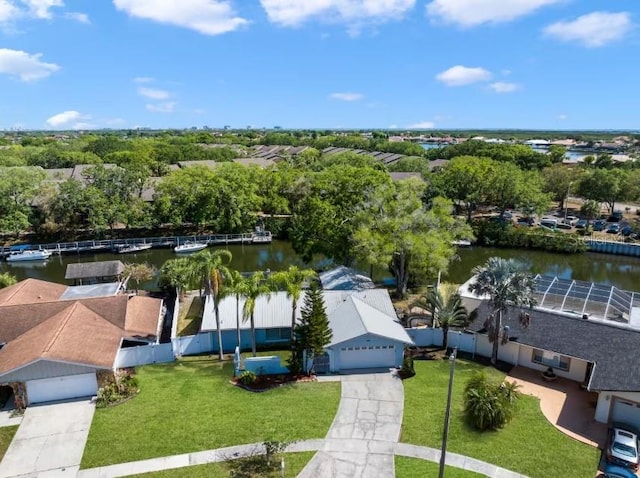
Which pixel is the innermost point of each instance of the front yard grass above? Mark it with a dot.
(6, 435)
(415, 468)
(529, 444)
(294, 463)
(190, 406)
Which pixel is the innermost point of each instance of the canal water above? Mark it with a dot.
(623, 272)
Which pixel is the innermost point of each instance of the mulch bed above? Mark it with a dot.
(267, 382)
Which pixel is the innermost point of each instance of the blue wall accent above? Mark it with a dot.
(229, 340)
(264, 365)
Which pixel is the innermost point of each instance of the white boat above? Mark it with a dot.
(263, 237)
(26, 255)
(462, 243)
(129, 248)
(189, 247)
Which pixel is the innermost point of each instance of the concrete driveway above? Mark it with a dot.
(362, 438)
(50, 440)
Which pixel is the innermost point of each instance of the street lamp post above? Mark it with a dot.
(445, 433)
(566, 202)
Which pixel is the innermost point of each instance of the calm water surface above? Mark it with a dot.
(623, 272)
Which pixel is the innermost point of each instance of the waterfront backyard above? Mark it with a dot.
(529, 445)
(190, 405)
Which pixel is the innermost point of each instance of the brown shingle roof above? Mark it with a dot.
(142, 316)
(30, 291)
(75, 334)
(85, 270)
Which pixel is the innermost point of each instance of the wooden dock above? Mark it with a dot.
(107, 245)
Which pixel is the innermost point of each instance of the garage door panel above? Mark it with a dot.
(367, 357)
(626, 411)
(61, 388)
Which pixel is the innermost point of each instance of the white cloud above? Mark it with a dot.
(67, 118)
(346, 96)
(563, 117)
(209, 17)
(83, 125)
(164, 107)
(41, 8)
(143, 79)
(393, 126)
(503, 87)
(461, 75)
(78, 17)
(469, 13)
(593, 29)
(25, 66)
(293, 13)
(7, 11)
(153, 93)
(422, 125)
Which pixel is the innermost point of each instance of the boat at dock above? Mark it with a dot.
(131, 248)
(189, 247)
(27, 255)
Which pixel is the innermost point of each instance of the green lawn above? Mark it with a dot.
(6, 435)
(294, 463)
(529, 444)
(190, 406)
(416, 468)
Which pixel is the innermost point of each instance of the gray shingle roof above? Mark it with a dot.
(613, 349)
(85, 270)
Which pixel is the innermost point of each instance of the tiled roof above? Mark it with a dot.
(31, 291)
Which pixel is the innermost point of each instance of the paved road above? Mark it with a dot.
(50, 441)
(362, 438)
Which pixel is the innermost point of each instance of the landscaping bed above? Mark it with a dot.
(529, 445)
(190, 406)
(264, 383)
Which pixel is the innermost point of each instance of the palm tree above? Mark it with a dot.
(506, 283)
(446, 309)
(211, 267)
(255, 286)
(292, 281)
(234, 285)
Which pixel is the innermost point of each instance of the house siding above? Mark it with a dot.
(364, 341)
(229, 339)
(605, 399)
(45, 369)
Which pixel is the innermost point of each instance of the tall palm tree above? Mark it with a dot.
(234, 285)
(211, 267)
(292, 281)
(446, 309)
(255, 286)
(505, 283)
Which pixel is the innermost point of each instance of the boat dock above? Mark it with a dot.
(105, 245)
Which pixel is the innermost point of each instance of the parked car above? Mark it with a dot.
(613, 471)
(571, 220)
(563, 225)
(615, 217)
(599, 225)
(526, 221)
(626, 230)
(582, 224)
(549, 222)
(613, 228)
(622, 446)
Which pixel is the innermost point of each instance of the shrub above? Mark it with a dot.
(247, 378)
(125, 385)
(487, 405)
(407, 369)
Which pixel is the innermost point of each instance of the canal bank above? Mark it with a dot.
(621, 271)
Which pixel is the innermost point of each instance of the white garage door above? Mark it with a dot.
(61, 388)
(368, 357)
(625, 411)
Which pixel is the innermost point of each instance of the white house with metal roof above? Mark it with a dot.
(366, 332)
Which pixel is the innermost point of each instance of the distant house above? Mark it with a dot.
(94, 272)
(589, 333)
(366, 332)
(55, 348)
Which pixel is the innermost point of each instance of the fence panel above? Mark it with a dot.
(192, 344)
(144, 354)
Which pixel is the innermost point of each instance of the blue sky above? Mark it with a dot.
(545, 64)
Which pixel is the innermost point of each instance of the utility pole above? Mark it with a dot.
(445, 433)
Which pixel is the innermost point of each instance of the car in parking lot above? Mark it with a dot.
(613, 228)
(614, 471)
(622, 446)
(564, 225)
(599, 225)
(582, 224)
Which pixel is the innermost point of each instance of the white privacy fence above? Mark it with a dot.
(144, 355)
(192, 344)
(426, 337)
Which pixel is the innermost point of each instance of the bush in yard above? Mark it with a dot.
(125, 385)
(247, 378)
(407, 369)
(488, 405)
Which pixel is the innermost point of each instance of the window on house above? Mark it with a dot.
(276, 335)
(551, 359)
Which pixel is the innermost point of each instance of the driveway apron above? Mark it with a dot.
(50, 440)
(362, 438)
